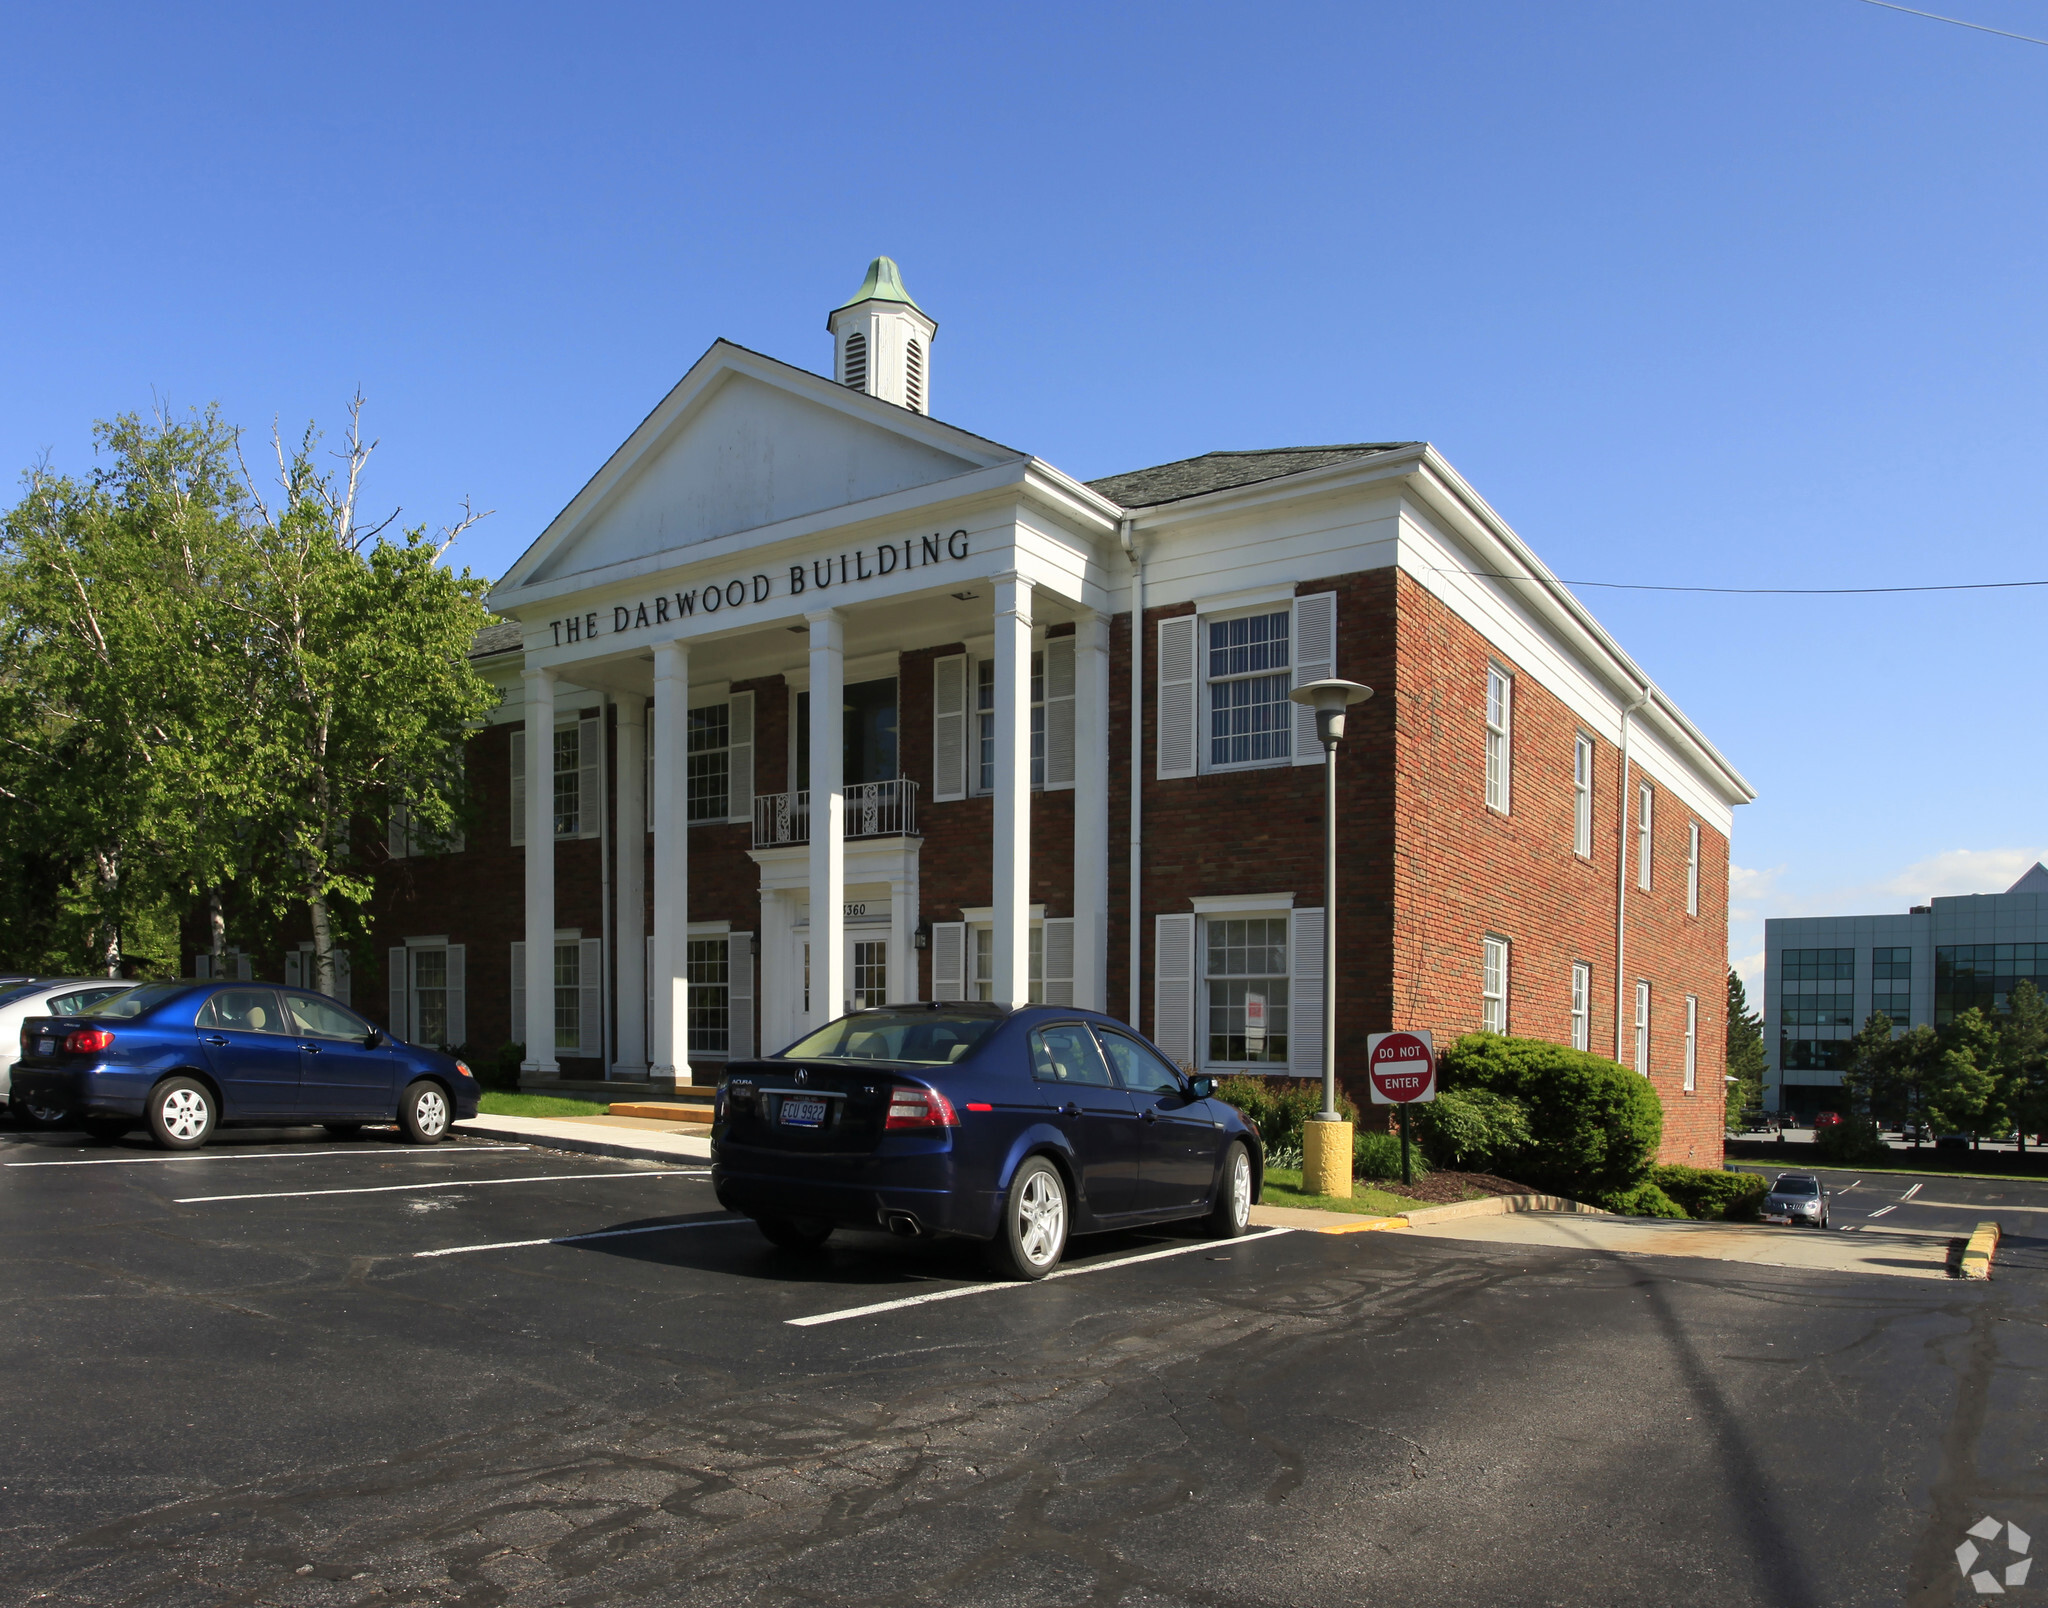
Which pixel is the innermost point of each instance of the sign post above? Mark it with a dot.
(1402, 1069)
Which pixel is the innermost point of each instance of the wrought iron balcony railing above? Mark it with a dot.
(873, 809)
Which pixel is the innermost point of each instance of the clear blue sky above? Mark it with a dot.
(1737, 292)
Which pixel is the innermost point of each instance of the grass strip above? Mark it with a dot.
(499, 1103)
(1745, 1164)
(1283, 1188)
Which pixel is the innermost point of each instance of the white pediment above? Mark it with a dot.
(745, 442)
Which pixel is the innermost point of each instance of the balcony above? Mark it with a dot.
(873, 809)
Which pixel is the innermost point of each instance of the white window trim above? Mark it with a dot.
(1271, 907)
(1582, 1005)
(1646, 816)
(1692, 870)
(1583, 749)
(1205, 685)
(1500, 785)
(1692, 1043)
(974, 713)
(1493, 943)
(1642, 1042)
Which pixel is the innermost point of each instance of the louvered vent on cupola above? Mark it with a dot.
(884, 341)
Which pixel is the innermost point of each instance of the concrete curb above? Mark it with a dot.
(1500, 1205)
(1977, 1253)
(575, 1134)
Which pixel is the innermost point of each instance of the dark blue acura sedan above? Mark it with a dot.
(1017, 1127)
(184, 1058)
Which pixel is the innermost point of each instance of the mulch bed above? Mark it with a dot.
(1448, 1188)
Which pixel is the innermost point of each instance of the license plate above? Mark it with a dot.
(46, 1046)
(803, 1113)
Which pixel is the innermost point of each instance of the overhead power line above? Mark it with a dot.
(1935, 16)
(1750, 591)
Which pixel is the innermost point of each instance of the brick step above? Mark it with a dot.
(683, 1110)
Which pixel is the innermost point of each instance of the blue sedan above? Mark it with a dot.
(185, 1058)
(1017, 1128)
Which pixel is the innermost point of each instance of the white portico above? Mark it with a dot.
(770, 529)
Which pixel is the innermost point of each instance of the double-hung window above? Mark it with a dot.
(981, 983)
(569, 800)
(1251, 719)
(569, 997)
(710, 762)
(1692, 870)
(707, 970)
(568, 764)
(1500, 700)
(1646, 804)
(1582, 797)
(1643, 1028)
(426, 980)
(1246, 982)
(1692, 1042)
(1493, 985)
(985, 722)
(1582, 1005)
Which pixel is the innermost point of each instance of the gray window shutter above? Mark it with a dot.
(245, 968)
(202, 967)
(1305, 997)
(518, 788)
(1179, 707)
(458, 1010)
(590, 1006)
(739, 995)
(398, 978)
(1059, 719)
(344, 982)
(293, 970)
(519, 998)
(739, 805)
(1315, 659)
(949, 960)
(590, 767)
(1059, 961)
(949, 732)
(1173, 988)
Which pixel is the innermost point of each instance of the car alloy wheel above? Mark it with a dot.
(1042, 1219)
(424, 1116)
(184, 1113)
(1232, 1212)
(181, 1114)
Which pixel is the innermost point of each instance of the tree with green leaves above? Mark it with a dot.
(1962, 1093)
(2022, 1061)
(1870, 1073)
(1746, 1057)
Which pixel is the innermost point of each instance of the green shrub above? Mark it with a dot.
(1378, 1155)
(1849, 1141)
(501, 1071)
(1472, 1130)
(1705, 1193)
(1640, 1200)
(1594, 1126)
(1278, 1107)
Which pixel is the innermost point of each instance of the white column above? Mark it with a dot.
(1012, 892)
(1091, 813)
(630, 940)
(668, 1027)
(828, 817)
(540, 873)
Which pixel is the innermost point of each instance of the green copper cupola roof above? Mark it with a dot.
(883, 283)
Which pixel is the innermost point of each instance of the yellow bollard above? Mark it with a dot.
(1326, 1158)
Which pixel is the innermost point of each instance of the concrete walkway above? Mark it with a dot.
(1868, 1250)
(632, 1138)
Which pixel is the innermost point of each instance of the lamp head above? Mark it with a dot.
(1329, 699)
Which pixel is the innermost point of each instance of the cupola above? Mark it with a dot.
(882, 341)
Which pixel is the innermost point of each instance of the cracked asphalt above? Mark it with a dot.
(239, 1379)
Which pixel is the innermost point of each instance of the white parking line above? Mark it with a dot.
(451, 1183)
(1909, 1194)
(571, 1239)
(1883, 1209)
(1010, 1284)
(275, 1155)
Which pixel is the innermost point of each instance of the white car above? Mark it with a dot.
(23, 997)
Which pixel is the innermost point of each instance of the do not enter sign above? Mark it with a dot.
(1402, 1067)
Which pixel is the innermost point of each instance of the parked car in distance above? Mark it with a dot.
(185, 1058)
(1796, 1198)
(1827, 1119)
(23, 997)
(1018, 1128)
(1951, 1141)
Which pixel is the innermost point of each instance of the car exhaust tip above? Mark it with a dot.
(902, 1224)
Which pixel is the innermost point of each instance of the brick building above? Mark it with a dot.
(687, 866)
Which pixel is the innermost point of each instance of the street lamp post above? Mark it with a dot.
(1326, 1140)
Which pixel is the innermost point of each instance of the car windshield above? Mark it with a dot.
(1795, 1186)
(136, 1001)
(930, 1038)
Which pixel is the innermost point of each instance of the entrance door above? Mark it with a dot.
(867, 972)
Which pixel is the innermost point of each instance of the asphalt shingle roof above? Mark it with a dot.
(503, 637)
(1218, 471)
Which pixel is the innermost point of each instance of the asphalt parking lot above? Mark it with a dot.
(291, 1371)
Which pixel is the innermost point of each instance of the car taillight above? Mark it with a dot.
(912, 1107)
(89, 1040)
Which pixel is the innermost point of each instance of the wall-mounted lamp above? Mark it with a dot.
(922, 938)
(967, 597)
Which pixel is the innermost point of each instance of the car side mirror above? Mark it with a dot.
(375, 1038)
(1201, 1088)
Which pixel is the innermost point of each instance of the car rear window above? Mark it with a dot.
(137, 1001)
(927, 1038)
